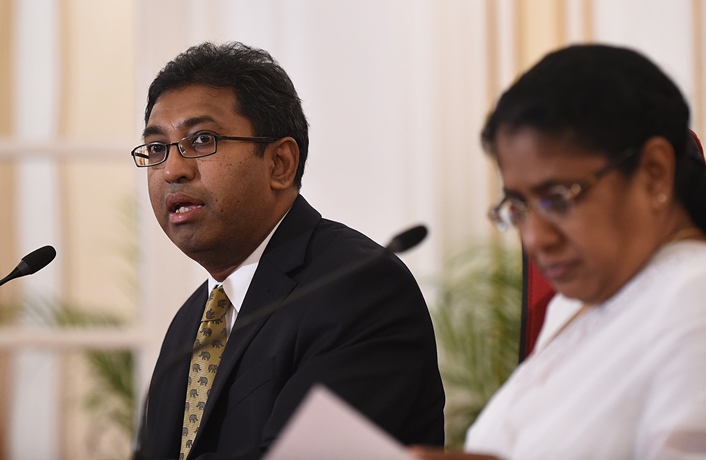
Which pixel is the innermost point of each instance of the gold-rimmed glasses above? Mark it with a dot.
(555, 204)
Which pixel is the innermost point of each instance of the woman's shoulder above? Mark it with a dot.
(672, 292)
(677, 267)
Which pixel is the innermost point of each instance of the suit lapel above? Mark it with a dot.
(270, 285)
(168, 393)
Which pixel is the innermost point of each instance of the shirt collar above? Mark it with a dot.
(237, 283)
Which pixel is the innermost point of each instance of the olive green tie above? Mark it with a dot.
(208, 347)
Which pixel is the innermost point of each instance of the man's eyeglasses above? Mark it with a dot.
(195, 146)
(556, 204)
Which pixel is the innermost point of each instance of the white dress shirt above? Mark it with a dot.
(238, 282)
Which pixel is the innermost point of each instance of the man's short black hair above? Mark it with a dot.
(264, 92)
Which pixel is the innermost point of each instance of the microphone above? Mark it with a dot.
(407, 239)
(31, 263)
(401, 242)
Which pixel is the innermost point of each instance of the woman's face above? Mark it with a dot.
(600, 243)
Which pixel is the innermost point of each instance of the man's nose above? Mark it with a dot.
(177, 168)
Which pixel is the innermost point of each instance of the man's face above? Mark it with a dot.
(216, 209)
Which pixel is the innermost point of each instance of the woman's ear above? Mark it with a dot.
(658, 163)
(285, 161)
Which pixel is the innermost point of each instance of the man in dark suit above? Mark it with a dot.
(225, 145)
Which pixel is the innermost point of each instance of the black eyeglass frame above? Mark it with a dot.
(552, 209)
(182, 151)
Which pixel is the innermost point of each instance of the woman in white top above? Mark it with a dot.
(608, 191)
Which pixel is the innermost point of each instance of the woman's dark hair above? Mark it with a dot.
(264, 92)
(607, 99)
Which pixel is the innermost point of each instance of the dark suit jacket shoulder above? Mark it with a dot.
(365, 334)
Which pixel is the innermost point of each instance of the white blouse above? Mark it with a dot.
(625, 380)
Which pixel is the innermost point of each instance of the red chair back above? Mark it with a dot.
(536, 294)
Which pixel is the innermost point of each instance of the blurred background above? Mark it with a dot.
(395, 91)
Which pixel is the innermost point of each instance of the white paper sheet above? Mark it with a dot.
(325, 427)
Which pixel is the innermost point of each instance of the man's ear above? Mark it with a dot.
(285, 161)
(658, 163)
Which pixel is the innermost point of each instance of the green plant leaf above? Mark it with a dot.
(477, 321)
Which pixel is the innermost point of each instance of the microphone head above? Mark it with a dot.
(37, 259)
(407, 239)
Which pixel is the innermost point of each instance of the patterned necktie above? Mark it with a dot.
(205, 359)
